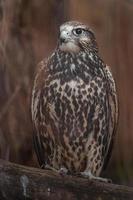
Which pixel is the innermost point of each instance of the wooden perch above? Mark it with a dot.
(18, 182)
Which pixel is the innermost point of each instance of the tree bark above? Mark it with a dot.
(19, 182)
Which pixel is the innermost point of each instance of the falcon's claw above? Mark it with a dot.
(109, 180)
(42, 166)
(63, 171)
(51, 168)
(89, 175)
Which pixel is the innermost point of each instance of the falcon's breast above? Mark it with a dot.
(71, 112)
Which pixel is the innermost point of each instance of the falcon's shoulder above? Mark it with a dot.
(40, 74)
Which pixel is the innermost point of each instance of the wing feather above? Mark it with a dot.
(113, 102)
(35, 111)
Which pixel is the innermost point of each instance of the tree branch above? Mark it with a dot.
(18, 182)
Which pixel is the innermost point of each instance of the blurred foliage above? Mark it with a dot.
(28, 32)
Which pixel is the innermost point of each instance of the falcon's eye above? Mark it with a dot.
(78, 31)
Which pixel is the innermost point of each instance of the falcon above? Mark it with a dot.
(74, 105)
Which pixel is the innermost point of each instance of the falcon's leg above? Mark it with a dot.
(88, 174)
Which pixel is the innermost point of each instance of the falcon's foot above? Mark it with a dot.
(51, 168)
(62, 171)
(89, 175)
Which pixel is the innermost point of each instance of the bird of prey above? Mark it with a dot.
(74, 105)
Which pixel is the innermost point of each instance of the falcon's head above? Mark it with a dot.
(75, 36)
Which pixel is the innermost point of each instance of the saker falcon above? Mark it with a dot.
(74, 105)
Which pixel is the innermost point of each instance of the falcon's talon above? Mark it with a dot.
(109, 180)
(63, 171)
(42, 166)
(51, 168)
(89, 175)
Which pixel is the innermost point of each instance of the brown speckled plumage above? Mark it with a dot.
(74, 105)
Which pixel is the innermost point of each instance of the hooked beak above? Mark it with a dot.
(62, 40)
(64, 37)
